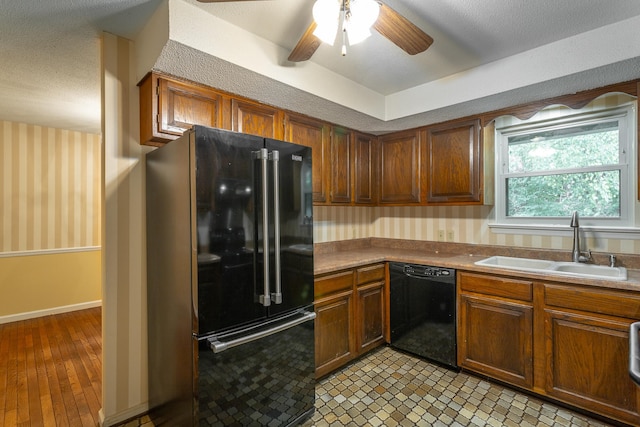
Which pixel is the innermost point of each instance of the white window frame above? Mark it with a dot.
(509, 126)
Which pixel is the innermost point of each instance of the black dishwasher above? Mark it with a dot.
(423, 311)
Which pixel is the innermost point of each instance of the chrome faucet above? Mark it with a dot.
(576, 255)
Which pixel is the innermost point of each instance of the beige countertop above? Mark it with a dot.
(341, 258)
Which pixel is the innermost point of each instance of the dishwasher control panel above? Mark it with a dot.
(428, 271)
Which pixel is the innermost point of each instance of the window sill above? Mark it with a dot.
(624, 233)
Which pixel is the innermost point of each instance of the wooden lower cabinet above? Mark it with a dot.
(370, 307)
(495, 328)
(350, 315)
(586, 345)
(335, 344)
(497, 339)
(567, 342)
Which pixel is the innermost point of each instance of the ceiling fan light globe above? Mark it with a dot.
(357, 35)
(326, 13)
(364, 13)
(326, 33)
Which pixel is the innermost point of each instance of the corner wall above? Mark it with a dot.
(124, 316)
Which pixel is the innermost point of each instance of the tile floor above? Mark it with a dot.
(390, 388)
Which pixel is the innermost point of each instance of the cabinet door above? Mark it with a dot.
(365, 176)
(341, 159)
(256, 119)
(183, 105)
(370, 314)
(315, 134)
(587, 364)
(169, 107)
(453, 163)
(496, 339)
(334, 340)
(400, 168)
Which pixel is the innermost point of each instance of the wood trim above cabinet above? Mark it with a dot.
(573, 100)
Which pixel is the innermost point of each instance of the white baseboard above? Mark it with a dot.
(46, 312)
(121, 417)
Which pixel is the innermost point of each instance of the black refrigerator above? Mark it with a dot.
(229, 281)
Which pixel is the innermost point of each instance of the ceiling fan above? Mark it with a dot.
(390, 24)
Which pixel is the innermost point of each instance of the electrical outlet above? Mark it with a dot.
(441, 235)
(450, 235)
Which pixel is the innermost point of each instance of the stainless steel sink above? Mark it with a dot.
(590, 271)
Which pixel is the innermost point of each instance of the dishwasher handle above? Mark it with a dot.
(634, 352)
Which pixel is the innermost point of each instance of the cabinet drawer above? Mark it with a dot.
(613, 303)
(370, 273)
(325, 285)
(497, 286)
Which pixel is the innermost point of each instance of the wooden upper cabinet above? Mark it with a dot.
(452, 168)
(256, 119)
(341, 160)
(169, 107)
(400, 168)
(315, 134)
(364, 168)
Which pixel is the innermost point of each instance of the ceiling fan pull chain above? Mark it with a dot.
(344, 44)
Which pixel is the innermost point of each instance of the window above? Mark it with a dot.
(585, 162)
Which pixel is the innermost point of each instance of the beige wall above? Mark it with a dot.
(35, 285)
(469, 224)
(50, 189)
(124, 315)
(50, 220)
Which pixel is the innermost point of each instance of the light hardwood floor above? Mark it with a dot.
(50, 370)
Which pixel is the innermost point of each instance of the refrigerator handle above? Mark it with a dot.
(218, 346)
(275, 158)
(263, 156)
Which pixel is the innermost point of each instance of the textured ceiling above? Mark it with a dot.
(467, 33)
(51, 52)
